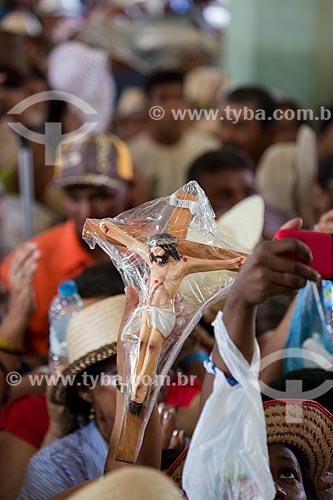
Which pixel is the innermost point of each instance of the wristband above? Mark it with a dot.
(212, 369)
(10, 348)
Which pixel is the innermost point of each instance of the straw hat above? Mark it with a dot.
(91, 337)
(245, 221)
(117, 38)
(286, 173)
(135, 483)
(21, 22)
(101, 160)
(305, 425)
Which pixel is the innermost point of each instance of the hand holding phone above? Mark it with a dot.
(321, 246)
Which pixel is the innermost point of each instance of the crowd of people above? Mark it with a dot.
(59, 441)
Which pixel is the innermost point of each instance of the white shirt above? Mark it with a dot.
(165, 166)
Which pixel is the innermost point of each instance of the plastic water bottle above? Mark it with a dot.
(63, 307)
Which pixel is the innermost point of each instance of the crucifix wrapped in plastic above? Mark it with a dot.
(172, 253)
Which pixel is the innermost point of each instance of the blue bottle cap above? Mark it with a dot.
(67, 288)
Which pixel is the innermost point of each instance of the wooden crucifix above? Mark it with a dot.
(170, 258)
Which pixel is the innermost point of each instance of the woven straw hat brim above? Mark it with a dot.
(59, 393)
(94, 327)
(305, 425)
(135, 483)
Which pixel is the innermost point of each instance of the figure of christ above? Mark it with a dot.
(168, 268)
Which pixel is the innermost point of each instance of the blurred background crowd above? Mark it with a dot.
(124, 57)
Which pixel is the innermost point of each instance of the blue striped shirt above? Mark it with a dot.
(65, 463)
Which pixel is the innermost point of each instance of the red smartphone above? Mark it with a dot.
(321, 246)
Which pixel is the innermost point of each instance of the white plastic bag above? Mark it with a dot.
(228, 455)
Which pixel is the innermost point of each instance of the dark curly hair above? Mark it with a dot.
(168, 242)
